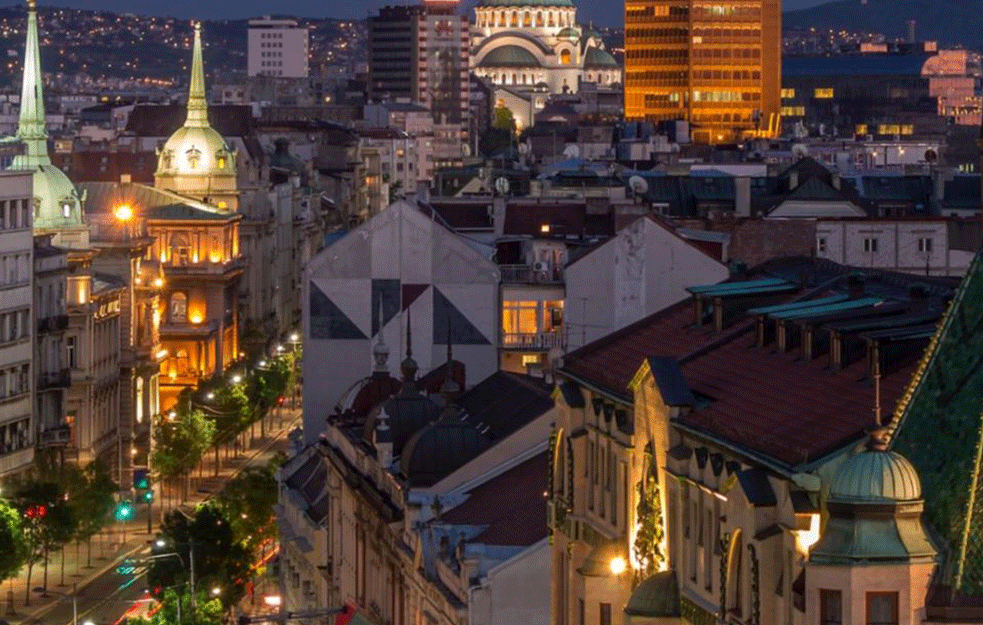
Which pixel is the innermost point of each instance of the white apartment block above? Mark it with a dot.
(909, 245)
(278, 48)
(17, 429)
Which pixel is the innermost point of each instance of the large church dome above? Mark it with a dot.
(526, 3)
(196, 151)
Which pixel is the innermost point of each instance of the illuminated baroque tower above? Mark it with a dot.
(196, 162)
(714, 63)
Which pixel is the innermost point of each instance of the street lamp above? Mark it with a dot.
(236, 379)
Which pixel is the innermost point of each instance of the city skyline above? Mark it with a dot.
(591, 10)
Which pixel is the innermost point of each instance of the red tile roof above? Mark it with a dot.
(612, 362)
(511, 505)
(786, 409)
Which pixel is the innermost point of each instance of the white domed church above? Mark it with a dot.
(537, 47)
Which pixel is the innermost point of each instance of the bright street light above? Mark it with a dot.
(279, 348)
(262, 363)
(618, 565)
(294, 337)
(216, 591)
(210, 396)
(160, 542)
(123, 212)
(236, 378)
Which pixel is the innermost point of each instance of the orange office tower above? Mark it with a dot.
(713, 63)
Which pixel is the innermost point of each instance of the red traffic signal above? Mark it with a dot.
(280, 400)
(36, 512)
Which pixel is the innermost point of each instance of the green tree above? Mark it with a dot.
(207, 611)
(50, 524)
(248, 501)
(181, 443)
(13, 542)
(93, 502)
(219, 560)
(503, 119)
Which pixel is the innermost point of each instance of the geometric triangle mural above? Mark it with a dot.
(327, 320)
(385, 292)
(411, 292)
(447, 316)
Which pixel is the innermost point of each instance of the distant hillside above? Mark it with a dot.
(950, 22)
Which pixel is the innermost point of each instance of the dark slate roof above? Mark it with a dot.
(656, 597)
(963, 192)
(184, 212)
(309, 480)
(669, 378)
(815, 189)
(465, 215)
(754, 482)
(510, 506)
(408, 414)
(161, 120)
(572, 394)
(505, 402)
(438, 449)
(854, 65)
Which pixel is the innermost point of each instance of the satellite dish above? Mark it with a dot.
(930, 155)
(523, 148)
(571, 151)
(502, 185)
(800, 151)
(639, 185)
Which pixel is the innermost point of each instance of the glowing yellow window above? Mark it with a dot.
(861, 129)
(788, 94)
(823, 93)
(907, 129)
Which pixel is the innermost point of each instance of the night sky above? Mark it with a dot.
(605, 12)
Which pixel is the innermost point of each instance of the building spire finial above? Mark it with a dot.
(877, 388)
(380, 352)
(197, 103)
(409, 367)
(31, 123)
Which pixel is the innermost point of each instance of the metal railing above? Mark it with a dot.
(532, 340)
(526, 274)
(58, 379)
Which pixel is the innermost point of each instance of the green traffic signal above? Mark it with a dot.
(124, 511)
(148, 497)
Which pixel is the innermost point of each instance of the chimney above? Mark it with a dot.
(856, 282)
(742, 196)
(498, 215)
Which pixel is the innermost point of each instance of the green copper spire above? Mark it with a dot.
(31, 127)
(197, 104)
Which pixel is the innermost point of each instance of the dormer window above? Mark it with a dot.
(66, 209)
(220, 159)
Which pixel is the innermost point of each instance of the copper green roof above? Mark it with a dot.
(656, 597)
(509, 56)
(569, 32)
(938, 428)
(595, 57)
(874, 476)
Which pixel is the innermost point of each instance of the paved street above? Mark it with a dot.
(116, 585)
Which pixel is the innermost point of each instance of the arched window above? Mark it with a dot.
(565, 57)
(539, 18)
(179, 308)
(552, 18)
(527, 19)
(515, 19)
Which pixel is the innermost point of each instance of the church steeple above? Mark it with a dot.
(31, 124)
(197, 103)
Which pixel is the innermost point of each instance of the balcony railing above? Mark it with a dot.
(58, 379)
(532, 341)
(535, 274)
(58, 436)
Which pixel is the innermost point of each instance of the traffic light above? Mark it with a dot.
(141, 479)
(147, 497)
(124, 511)
(36, 512)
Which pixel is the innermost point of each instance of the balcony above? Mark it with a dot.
(58, 379)
(541, 273)
(532, 341)
(59, 436)
(55, 323)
